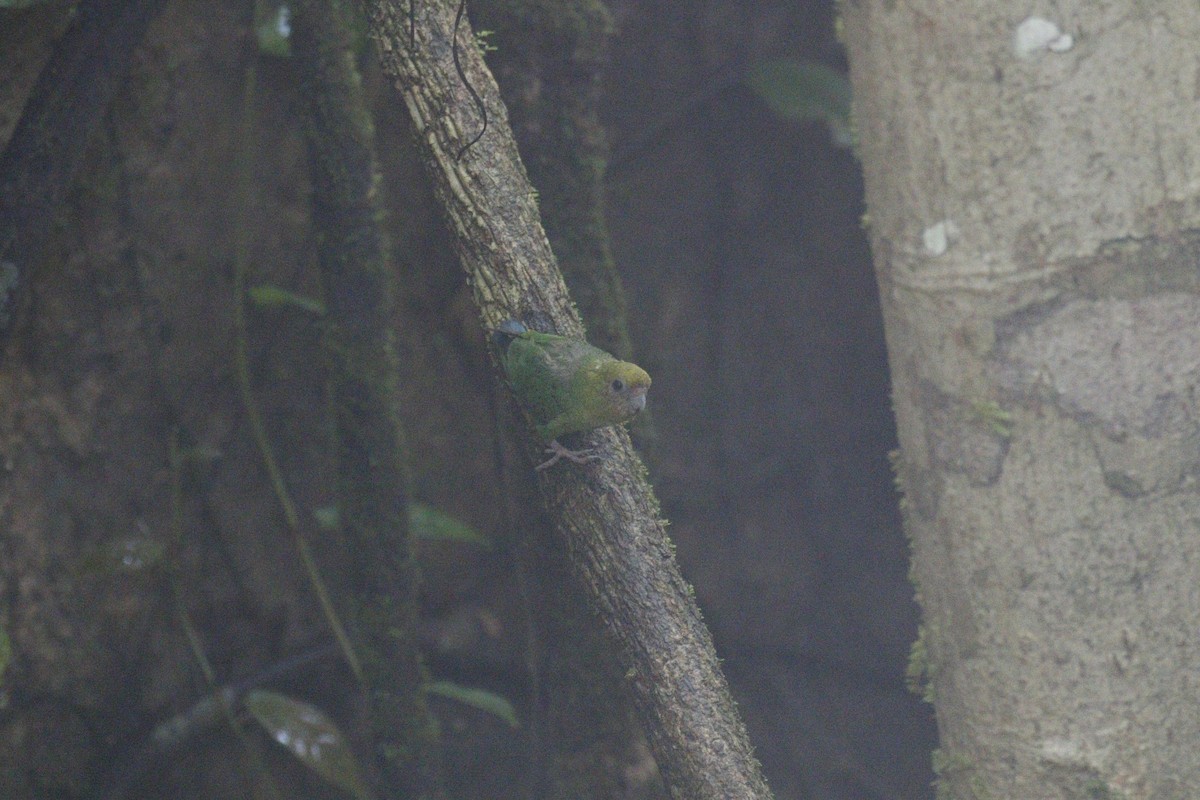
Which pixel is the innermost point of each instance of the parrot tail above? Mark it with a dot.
(509, 329)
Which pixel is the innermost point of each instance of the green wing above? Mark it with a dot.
(541, 368)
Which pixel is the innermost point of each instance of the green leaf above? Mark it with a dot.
(328, 517)
(268, 295)
(805, 90)
(425, 522)
(311, 737)
(481, 699)
(433, 525)
(273, 28)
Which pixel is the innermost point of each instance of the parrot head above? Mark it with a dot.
(618, 390)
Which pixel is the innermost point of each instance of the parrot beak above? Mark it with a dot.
(638, 399)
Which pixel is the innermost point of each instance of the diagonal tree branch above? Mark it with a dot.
(606, 512)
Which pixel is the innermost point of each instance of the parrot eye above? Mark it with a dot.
(618, 385)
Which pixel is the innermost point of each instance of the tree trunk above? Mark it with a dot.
(1033, 196)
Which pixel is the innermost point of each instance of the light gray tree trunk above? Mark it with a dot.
(1034, 194)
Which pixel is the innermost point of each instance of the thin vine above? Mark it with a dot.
(254, 417)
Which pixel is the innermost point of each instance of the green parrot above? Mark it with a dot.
(568, 386)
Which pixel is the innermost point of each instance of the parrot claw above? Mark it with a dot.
(559, 451)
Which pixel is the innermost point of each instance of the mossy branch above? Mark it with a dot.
(379, 595)
(606, 512)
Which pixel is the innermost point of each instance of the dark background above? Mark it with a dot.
(752, 293)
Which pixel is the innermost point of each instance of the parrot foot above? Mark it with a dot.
(559, 451)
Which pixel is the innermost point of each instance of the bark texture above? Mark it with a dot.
(1033, 195)
(606, 512)
(39, 163)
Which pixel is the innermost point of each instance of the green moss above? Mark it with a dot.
(991, 414)
(957, 778)
(896, 460)
(979, 789)
(919, 672)
(945, 766)
(483, 40)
